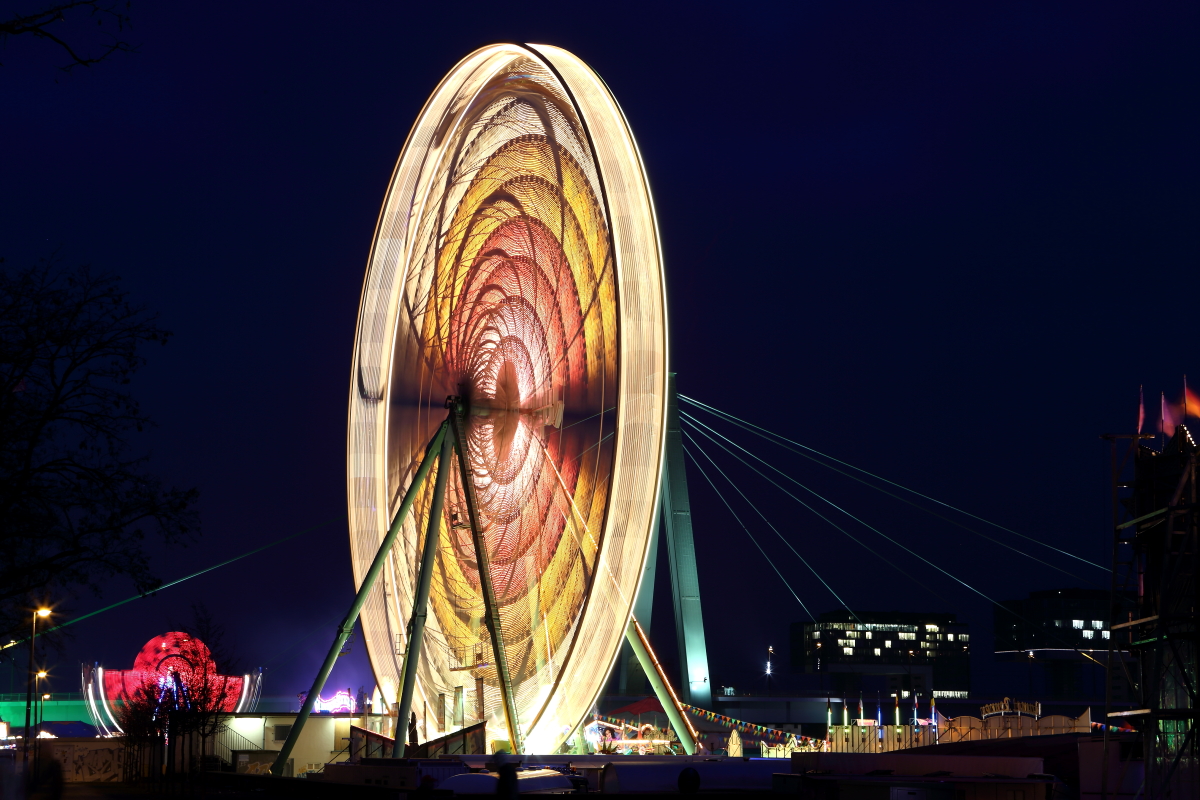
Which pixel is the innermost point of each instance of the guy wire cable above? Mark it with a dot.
(956, 579)
(737, 489)
(826, 519)
(747, 530)
(764, 433)
(695, 421)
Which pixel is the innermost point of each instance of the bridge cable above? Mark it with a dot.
(826, 519)
(694, 421)
(747, 530)
(766, 434)
(782, 538)
(953, 577)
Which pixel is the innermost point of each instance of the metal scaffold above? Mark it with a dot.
(1155, 596)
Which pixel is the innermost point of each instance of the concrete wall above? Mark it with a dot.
(85, 759)
(914, 765)
(250, 728)
(321, 741)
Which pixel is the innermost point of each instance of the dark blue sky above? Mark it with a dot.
(944, 242)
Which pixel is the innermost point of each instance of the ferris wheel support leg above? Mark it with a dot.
(491, 607)
(347, 626)
(658, 679)
(416, 632)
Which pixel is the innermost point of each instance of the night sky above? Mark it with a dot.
(943, 242)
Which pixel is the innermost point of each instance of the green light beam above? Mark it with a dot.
(179, 580)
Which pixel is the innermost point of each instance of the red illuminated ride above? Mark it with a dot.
(172, 672)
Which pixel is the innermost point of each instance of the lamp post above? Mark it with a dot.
(43, 613)
(770, 655)
(37, 718)
(40, 716)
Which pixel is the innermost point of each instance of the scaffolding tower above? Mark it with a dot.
(1155, 562)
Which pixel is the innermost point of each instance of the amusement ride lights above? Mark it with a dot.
(516, 269)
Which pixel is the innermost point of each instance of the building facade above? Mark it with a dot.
(1060, 637)
(902, 653)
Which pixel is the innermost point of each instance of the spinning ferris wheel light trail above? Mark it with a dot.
(515, 270)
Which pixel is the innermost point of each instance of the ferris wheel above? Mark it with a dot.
(511, 329)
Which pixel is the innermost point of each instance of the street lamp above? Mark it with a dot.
(43, 613)
(39, 709)
(42, 713)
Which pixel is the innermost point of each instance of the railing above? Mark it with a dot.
(19, 697)
(227, 740)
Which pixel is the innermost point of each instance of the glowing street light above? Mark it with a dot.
(43, 613)
(770, 654)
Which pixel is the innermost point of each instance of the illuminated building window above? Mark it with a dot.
(887, 642)
(853, 634)
(908, 636)
(950, 637)
(1088, 634)
(964, 637)
(1077, 623)
(848, 651)
(1058, 623)
(927, 645)
(1097, 624)
(931, 628)
(868, 634)
(878, 651)
(1104, 634)
(816, 634)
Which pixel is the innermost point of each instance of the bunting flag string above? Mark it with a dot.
(624, 723)
(743, 727)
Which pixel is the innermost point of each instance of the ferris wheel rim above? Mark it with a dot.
(544, 55)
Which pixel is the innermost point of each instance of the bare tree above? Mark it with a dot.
(76, 504)
(211, 695)
(144, 728)
(66, 25)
